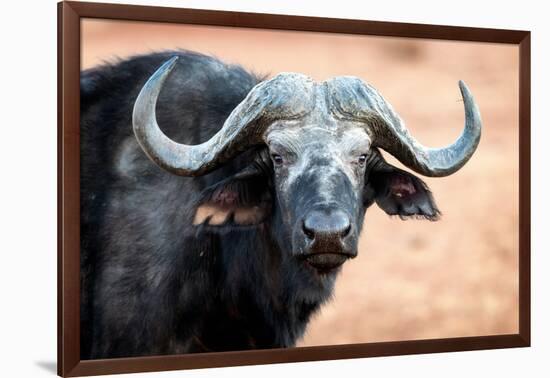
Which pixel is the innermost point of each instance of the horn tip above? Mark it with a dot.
(169, 64)
(465, 92)
(463, 87)
(157, 78)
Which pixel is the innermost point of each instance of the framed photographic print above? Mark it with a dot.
(240, 188)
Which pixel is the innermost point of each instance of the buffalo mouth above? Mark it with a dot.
(326, 262)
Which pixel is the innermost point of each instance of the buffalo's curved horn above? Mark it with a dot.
(267, 101)
(357, 99)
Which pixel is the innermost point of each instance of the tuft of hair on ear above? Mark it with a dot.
(400, 193)
(436, 213)
(432, 218)
(243, 200)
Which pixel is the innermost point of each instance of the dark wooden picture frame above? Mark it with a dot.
(69, 16)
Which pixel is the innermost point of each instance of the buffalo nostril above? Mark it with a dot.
(326, 224)
(310, 234)
(346, 231)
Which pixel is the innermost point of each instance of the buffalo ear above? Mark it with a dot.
(401, 193)
(243, 199)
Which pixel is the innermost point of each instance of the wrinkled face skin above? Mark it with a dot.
(325, 170)
(319, 174)
(324, 173)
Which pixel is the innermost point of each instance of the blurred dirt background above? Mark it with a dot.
(412, 279)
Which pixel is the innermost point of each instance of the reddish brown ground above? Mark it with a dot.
(412, 279)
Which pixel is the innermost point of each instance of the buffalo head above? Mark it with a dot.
(318, 165)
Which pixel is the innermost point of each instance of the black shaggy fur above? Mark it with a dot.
(152, 283)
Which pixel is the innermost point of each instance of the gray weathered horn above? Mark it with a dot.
(359, 100)
(267, 101)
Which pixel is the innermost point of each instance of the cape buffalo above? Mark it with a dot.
(226, 230)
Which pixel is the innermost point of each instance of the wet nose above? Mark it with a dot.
(327, 225)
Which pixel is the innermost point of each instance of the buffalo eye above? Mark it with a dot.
(277, 159)
(362, 159)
